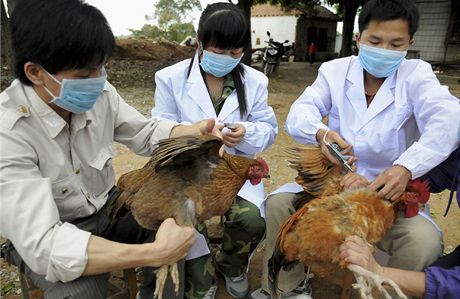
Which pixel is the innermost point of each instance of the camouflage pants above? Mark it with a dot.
(243, 230)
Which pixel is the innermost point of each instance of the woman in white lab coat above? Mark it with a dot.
(214, 84)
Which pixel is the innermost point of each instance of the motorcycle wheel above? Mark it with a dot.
(268, 69)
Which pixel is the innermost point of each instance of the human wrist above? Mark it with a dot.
(183, 130)
(152, 254)
(406, 171)
(319, 135)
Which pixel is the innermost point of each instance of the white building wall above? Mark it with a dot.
(281, 29)
(431, 34)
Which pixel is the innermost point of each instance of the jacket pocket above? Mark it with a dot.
(102, 173)
(67, 196)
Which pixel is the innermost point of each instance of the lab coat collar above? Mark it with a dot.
(355, 93)
(198, 91)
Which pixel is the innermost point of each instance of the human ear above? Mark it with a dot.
(357, 38)
(34, 73)
(411, 42)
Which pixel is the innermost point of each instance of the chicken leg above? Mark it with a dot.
(162, 275)
(367, 281)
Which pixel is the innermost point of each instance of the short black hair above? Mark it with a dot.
(224, 26)
(59, 35)
(386, 10)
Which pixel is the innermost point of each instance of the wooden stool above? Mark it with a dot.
(31, 291)
(344, 279)
(130, 289)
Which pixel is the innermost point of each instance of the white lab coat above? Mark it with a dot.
(411, 121)
(187, 100)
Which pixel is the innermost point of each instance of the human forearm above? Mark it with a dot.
(205, 127)
(357, 251)
(106, 256)
(410, 282)
(259, 136)
(172, 242)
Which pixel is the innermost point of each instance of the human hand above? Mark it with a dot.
(172, 242)
(210, 127)
(353, 180)
(233, 135)
(202, 127)
(393, 180)
(358, 252)
(334, 137)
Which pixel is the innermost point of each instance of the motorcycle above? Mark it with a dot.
(272, 55)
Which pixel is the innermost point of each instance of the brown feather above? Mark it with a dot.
(314, 233)
(181, 169)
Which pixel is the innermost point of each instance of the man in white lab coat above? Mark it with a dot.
(391, 115)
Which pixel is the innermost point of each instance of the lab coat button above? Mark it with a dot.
(77, 171)
(64, 190)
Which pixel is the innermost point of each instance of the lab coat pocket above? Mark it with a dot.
(67, 196)
(401, 118)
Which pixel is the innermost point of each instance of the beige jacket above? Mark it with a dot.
(52, 173)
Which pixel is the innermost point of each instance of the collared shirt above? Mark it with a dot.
(53, 173)
(408, 123)
(227, 88)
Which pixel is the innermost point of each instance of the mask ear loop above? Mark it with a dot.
(46, 89)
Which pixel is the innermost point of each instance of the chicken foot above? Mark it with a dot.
(367, 281)
(162, 275)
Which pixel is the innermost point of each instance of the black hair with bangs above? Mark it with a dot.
(223, 25)
(59, 35)
(387, 10)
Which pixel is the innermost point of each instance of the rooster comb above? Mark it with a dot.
(263, 163)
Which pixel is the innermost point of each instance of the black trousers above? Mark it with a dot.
(450, 260)
(124, 229)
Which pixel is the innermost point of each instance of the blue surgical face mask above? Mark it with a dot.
(78, 95)
(379, 62)
(218, 65)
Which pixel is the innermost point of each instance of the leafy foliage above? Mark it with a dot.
(169, 12)
(171, 22)
(175, 32)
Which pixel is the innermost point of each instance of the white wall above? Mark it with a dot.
(281, 28)
(431, 34)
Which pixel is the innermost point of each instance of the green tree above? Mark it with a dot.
(169, 12)
(171, 22)
(179, 31)
(147, 31)
(348, 9)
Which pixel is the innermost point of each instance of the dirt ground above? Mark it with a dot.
(134, 79)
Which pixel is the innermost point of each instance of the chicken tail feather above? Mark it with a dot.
(278, 260)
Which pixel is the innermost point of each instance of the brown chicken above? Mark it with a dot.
(185, 179)
(315, 232)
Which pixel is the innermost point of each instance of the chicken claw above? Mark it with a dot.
(367, 281)
(161, 276)
(175, 277)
